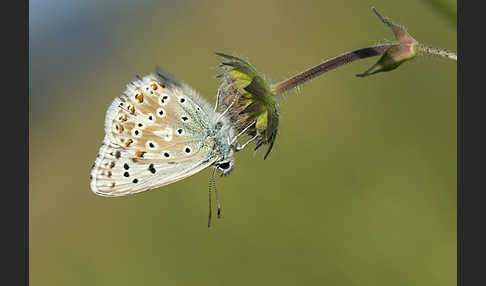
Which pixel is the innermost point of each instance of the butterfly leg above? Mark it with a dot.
(228, 108)
(239, 148)
(241, 133)
(218, 95)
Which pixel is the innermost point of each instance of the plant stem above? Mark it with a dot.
(328, 65)
(437, 52)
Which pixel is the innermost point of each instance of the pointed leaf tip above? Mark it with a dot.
(399, 32)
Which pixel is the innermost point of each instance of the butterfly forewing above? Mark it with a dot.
(157, 132)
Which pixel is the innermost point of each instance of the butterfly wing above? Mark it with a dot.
(157, 132)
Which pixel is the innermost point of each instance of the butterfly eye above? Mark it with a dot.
(224, 166)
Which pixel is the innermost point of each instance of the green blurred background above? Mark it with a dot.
(360, 188)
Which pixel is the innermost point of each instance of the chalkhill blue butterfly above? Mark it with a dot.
(158, 132)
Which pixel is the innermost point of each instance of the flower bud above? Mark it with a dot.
(405, 49)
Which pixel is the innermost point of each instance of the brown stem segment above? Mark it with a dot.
(328, 65)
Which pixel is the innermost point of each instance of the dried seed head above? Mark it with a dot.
(250, 101)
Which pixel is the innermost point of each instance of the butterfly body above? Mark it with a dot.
(158, 132)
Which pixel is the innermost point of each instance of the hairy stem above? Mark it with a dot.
(437, 52)
(328, 65)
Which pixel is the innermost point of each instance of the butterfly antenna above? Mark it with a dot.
(210, 185)
(218, 203)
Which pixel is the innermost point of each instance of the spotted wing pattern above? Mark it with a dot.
(157, 132)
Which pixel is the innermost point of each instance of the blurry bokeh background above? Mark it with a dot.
(360, 188)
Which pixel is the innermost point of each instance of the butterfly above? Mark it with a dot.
(160, 131)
